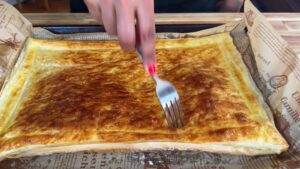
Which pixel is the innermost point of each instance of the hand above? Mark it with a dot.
(119, 17)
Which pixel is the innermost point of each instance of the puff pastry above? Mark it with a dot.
(67, 96)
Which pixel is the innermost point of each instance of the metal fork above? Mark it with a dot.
(169, 100)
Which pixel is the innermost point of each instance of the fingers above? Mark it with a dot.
(118, 17)
(108, 16)
(94, 9)
(146, 32)
(125, 24)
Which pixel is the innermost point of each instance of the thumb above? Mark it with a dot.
(145, 34)
(149, 59)
(146, 48)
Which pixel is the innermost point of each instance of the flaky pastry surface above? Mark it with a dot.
(66, 96)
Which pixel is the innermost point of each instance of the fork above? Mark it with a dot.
(168, 98)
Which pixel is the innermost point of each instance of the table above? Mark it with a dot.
(287, 24)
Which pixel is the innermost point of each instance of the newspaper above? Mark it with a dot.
(14, 29)
(279, 69)
(275, 70)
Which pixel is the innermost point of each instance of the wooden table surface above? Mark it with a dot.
(287, 24)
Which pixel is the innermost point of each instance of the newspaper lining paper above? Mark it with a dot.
(273, 65)
(14, 29)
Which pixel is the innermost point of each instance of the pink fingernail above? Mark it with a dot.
(152, 69)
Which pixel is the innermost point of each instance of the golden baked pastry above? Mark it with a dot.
(66, 96)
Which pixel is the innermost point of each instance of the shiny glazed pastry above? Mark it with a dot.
(67, 96)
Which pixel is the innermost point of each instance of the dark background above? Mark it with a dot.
(172, 6)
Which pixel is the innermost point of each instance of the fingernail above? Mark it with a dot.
(152, 69)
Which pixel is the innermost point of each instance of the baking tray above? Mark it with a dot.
(182, 28)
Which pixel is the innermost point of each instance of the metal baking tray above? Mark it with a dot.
(66, 29)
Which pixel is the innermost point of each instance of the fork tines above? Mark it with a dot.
(173, 113)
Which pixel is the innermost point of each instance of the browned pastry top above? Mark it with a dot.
(92, 92)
